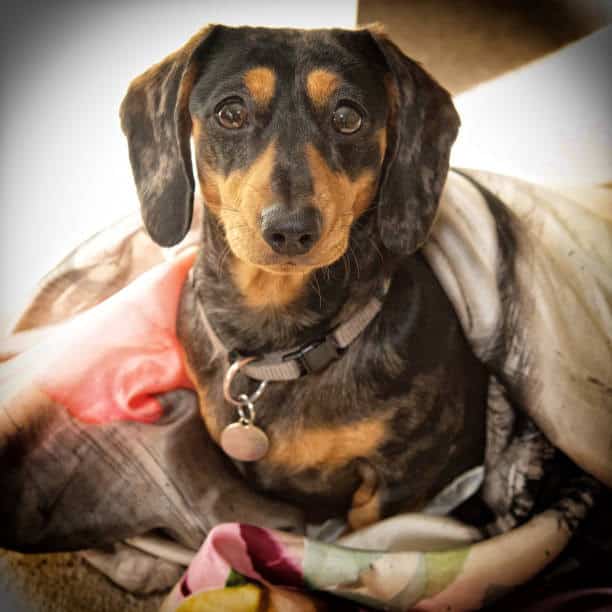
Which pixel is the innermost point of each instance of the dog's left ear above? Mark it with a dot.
(422, 127)
(155, 118)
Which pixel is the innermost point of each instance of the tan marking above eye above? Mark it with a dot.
(261, 83)
(320, 85)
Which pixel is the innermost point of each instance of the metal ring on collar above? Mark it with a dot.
(227, 384)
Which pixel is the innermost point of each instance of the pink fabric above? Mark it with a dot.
(272, 558)
(223, 550)
(265, 555)
(109, 362)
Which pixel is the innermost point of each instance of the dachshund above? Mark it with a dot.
(320, 156)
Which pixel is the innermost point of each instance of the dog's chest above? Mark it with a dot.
(313, 426)
(323, 430)
(319, 435)
(406, 400)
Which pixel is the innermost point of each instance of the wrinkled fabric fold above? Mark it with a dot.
(529, 273)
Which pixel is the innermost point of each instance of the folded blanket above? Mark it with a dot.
(100, 437)
(530, 275)
(91, 453)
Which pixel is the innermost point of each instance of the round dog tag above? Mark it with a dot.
(244, 442)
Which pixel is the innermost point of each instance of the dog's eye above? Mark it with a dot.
(232, 114)
(346, 119)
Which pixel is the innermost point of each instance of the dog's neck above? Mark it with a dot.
(255, 311)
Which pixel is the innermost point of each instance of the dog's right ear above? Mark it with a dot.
(155, 118)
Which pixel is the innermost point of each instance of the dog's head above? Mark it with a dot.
(296, 133)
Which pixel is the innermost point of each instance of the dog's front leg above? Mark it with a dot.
(366, 502)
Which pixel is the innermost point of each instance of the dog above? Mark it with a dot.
(320, 156)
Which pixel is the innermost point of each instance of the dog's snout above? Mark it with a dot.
(291, 232)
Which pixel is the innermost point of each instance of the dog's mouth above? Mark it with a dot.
(299, 265)
(286, 267)
(248, 245)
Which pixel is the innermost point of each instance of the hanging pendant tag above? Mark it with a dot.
(244, 441)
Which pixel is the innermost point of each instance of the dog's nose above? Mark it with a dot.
(291, 232)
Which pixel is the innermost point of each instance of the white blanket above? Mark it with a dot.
(531, 281)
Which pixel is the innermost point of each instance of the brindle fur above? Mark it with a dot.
(409, 385)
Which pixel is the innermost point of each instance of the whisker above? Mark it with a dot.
(352, 252)
(224, 254)
(314, 283)
(358, 222)
(378, 251)
(347, 267)
(255, 189)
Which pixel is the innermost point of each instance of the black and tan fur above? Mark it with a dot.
(401, 412)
